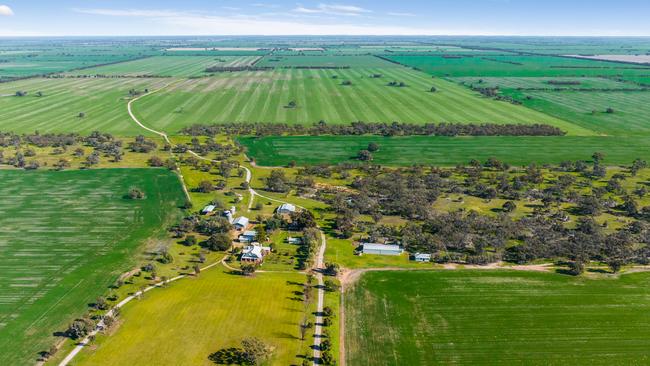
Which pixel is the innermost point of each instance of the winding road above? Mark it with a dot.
(249, 176)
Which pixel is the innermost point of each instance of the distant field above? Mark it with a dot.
(180, 66)
(102, 100)
(186, 322)
(65, 237)
(497, 318)
(431, 150)
(518, 66)
(545, 83)
(264, 96)
(361, 61)
(28, 63)
(588, 109)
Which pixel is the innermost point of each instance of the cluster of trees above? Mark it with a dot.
(252, 352)
(379, 129)
(215, 228)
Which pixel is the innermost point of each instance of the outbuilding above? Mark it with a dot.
(381, 249)
(286, 208)
(241, 223)
(208, 209)
(422, 257)
(248, 236)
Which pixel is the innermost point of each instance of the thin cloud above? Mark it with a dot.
(332, 9)
(6, 11)
(397, 14)
(196, 23)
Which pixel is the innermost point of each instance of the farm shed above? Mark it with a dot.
(208, 209)
(286, 208)
(240, 223)
(422, 257)
(248, 236)
(381, 249)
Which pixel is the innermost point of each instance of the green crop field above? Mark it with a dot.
(102, 100)
(438, 150)
(65, 237)
(180, 66)
(357, 61)
(264, 96)
(186, 322)
(588, 109)
(518, 66)
(497, 318)
(545, 83)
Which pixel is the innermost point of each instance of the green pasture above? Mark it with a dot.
(589, 109)
(179, 66)
(352, 61)
(64, 238)
(445, 151)
(103, 101)
(320, 95)
(497, 318)
(187, 321)
(518, 66)
(545, 83)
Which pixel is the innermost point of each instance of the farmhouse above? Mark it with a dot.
(422, 257)
(381, 249)
(248, 236)
(208, 209)
(286, 209)
(254, 253)
(240, 223)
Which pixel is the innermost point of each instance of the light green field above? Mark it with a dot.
(352, 61)
(587, 109)
(497, 318)
(186, 322)
(263, 97)
(65, 237)
(102, 100)
(543, 83)
(180, 66)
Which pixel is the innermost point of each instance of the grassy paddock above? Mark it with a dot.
(497, 317)
(77, 233)
(432, 150)
(203, 315)
(264, 97)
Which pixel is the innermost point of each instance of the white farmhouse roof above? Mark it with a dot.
(241, 221)
(251, 233)
(208, 208)
(252, 252)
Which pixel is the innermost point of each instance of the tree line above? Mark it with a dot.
(378, 129)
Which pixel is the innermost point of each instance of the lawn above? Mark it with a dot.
(497, 317)
(518, 66)
(438, 150)
(179, 66)
(321, 95)
(186, 322)
(65, 237)
(103, 101)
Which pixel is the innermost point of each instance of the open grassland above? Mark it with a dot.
(352, 61)
(103, 101)
(64, 238)
(179, 66)
(28, 63)
(545, 83)
(435, 150)
(589, 109)
(518, 66)
(497, 317)
(186, 322)
(320, 95)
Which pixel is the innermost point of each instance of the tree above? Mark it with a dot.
(190, 240)
(136, 194)
(364, 155)
(256, 352)
(331, 269)
(433, 89)
(292, 104)
(373, 147)
(92, 159)
(205, 187)
(509, 206)
(277, 181)
(248, 269)
(79, 328)
(81, 115)
(101, 303)
(155, 161)
(219, 242)
(609, 110)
